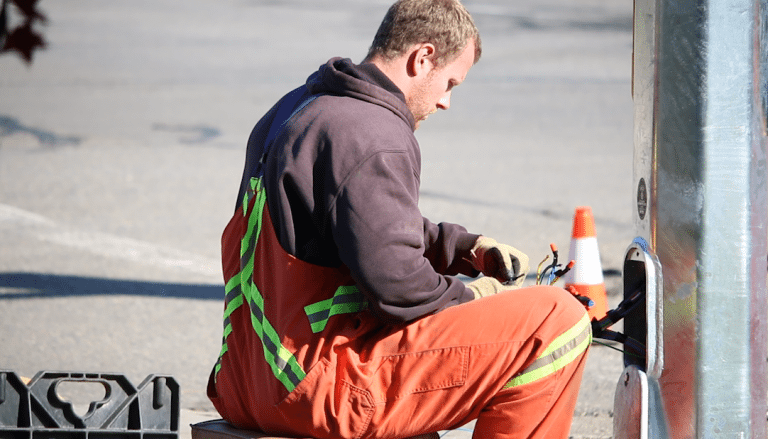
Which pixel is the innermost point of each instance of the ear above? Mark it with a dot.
(421, 59)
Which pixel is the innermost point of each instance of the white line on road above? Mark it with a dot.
(109, 245)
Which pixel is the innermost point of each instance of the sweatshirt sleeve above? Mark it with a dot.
(447, 248)
(393, 253)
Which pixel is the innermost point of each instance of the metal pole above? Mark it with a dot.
(699, 90)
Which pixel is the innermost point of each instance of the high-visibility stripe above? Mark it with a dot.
(240, 290)
(283, 364)
(232, 305)
(233, 299)
(346, 299)
(252, 233)
(561, 352)
(249, 193)
(227, 329)
(231, 289)
(217, 366)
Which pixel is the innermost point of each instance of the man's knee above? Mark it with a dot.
(546, 298)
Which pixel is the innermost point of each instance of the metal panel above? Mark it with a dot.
(700, 172)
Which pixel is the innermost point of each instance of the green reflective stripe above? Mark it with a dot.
(283, 364)
(227, 329)
(251, 237)
(241, 290)
(561, 352)
(281, 361)
(233, 300)
(248, 243)
(231, 285)
(346, 299)
(224, 349)
(254, 184)
(342, 293)
(233, 297)
(232, 306)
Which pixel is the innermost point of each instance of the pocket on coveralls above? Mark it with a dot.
(424, 371)
(315, 407)
(414, 391)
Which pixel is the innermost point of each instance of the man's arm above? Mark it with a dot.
(380, 233)
(447, 247)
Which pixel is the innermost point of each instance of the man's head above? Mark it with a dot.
(426, 47)
(444, 23)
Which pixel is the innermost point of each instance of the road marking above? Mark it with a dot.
(111, 246)
(16, 215)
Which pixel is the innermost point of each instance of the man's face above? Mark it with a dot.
(433, 92)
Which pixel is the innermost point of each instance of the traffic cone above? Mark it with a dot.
(586, 277)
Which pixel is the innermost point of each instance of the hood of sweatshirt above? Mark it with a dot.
(341, 77)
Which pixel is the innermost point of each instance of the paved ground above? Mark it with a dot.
(121, 148)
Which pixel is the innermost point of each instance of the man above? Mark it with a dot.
(343, 318)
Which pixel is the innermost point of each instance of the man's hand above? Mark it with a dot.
(503, 262)
(486, 286)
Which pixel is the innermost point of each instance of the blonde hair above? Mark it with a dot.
(444, 23)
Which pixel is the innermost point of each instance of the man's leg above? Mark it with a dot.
(512, 361)
(531, 411)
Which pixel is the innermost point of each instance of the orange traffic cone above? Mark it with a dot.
(586, 278)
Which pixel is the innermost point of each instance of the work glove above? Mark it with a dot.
(486, 286)
(503, 262)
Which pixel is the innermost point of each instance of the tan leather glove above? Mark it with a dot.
(486, 286)
(503, 262)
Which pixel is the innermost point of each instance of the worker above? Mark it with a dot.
(344, 317)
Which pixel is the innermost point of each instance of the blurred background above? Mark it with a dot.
(122, 145)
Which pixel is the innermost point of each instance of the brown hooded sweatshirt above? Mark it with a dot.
(342, 175)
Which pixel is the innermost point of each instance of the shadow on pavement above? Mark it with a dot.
(36, 285)
(10, 126)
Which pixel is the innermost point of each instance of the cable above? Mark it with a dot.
(600, 327)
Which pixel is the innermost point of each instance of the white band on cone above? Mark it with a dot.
(588, 270)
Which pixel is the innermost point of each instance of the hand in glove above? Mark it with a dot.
(503, 262)
(486, 286)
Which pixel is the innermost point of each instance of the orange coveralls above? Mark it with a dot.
(302, 356)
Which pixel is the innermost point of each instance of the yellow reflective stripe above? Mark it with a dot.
(567, 336)
(561, 352)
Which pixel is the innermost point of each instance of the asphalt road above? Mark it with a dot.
(121, 150)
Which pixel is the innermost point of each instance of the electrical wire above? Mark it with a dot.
(609, 346)
(600, 327)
